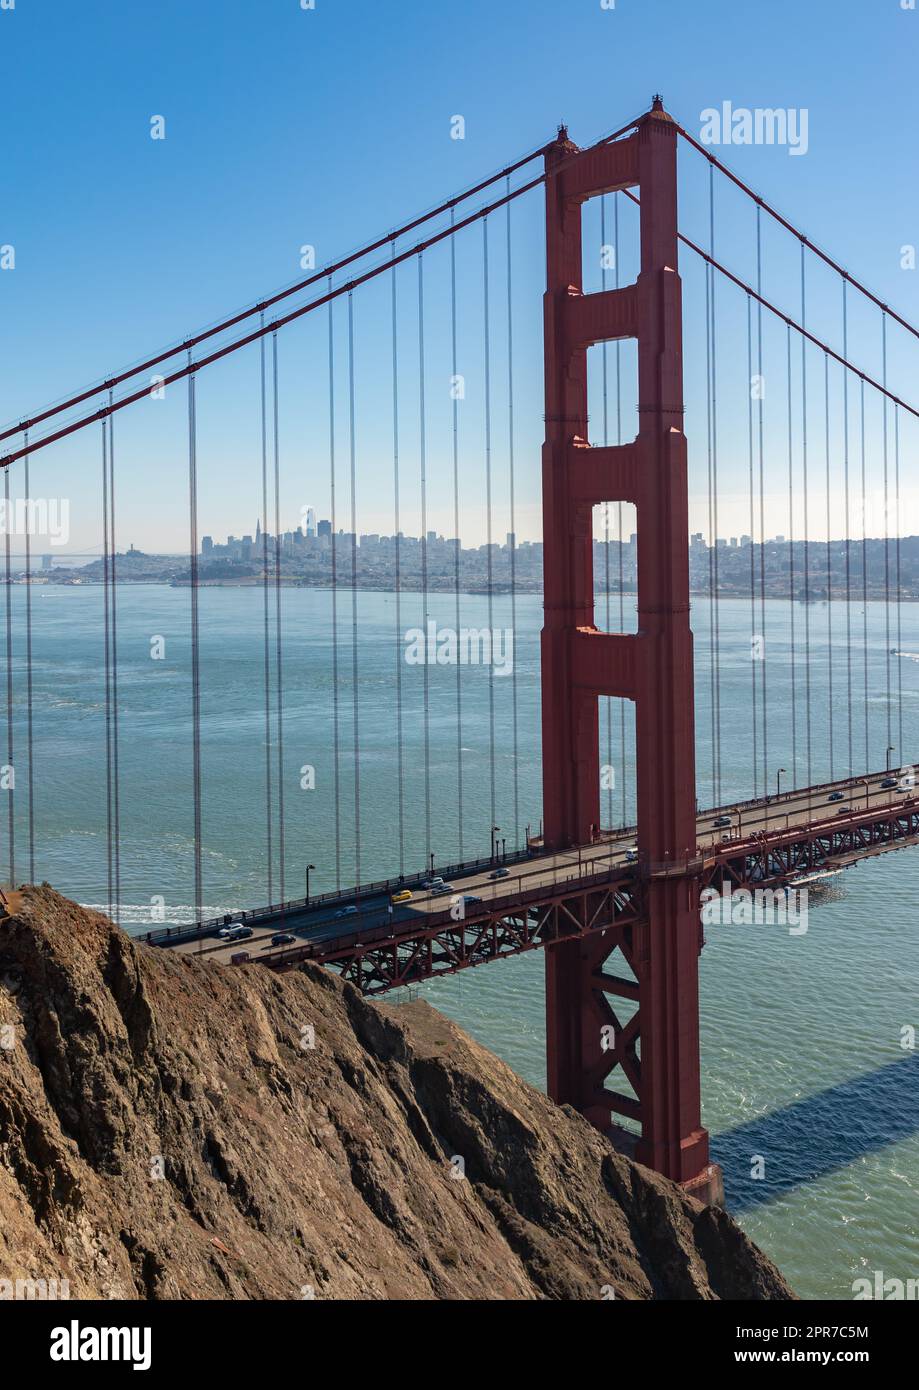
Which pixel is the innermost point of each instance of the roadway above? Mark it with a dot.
(740, 822)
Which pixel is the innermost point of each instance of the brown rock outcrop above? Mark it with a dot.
(174, 1129)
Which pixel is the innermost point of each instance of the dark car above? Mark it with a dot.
(889, 783)
(836, 796)
(498, 873)
(282, 938)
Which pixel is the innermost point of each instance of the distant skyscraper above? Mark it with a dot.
(311, 521)
(207, 545)
(325, 528)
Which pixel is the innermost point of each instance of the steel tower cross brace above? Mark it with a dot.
(586, 1040)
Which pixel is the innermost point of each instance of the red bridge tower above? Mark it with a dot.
(586, 1040)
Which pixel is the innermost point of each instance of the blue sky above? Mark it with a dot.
(286, 127)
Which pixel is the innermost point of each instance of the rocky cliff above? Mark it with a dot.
(174, 1129)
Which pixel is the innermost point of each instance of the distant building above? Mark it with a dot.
(207, 545)
(325, 528)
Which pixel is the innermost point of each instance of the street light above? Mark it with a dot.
(308, 867)
(494, 831)
(778, 781)
(891, 748)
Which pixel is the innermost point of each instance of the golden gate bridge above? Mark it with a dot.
(614, 907)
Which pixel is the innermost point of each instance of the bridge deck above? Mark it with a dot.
(772, 840)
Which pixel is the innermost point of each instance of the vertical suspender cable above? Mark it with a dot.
(456, 537)
(886, 538)
(489, 562)
(712, 535)
(30, 742)
(896, 445)
(422, 454)
(11, 767)
(845, 353)
(354, 620)
(397, 541)
(334, 540)
(753, 650)
(791, 564)
(714, 400)
(116, 779)
(829, 562)
(279, 668)
(195, 649)
(605, 350)
(513, 544)
(807, 568)
(106, 619)
(864, 570)
(762, 501)
(266, 623)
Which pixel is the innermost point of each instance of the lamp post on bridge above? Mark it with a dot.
(891, 748)
(494, 844)
(778, 781)
(308, 868)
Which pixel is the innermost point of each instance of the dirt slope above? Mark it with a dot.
(167, 1131)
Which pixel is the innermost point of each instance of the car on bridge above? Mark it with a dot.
(439, 889)
(404, 897)
(432, 881)
(631, 854)
(843, 810)
(499, 873)
(283, 938)
(349, 911)
(720, 821)
(836, 796)
(237, 933)
(889, 783)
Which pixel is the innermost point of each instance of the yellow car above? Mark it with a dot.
(404, 897)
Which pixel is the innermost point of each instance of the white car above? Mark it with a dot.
(237, 933)
(631, 854)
